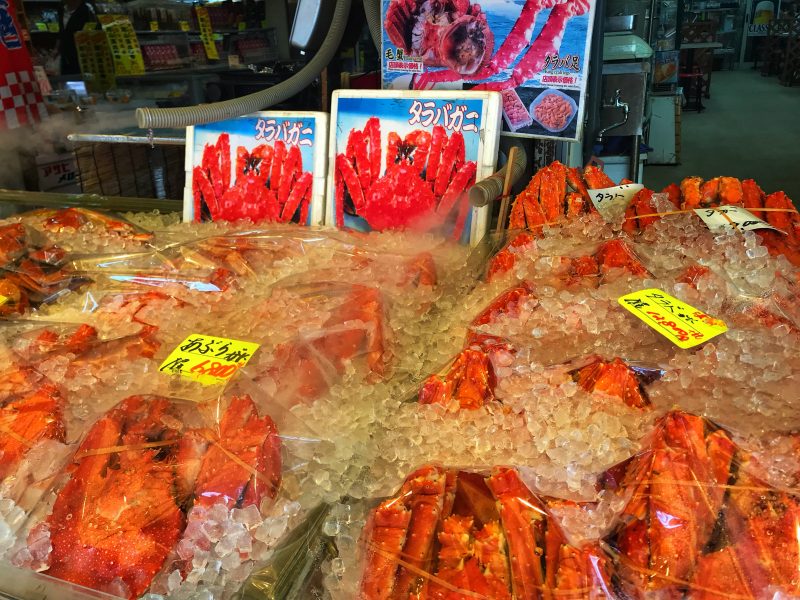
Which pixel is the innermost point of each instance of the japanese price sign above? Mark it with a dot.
(206, 32)
(271, 167)
(207, 359)
(535, 53)
(611, 202)
(406, 160)
(731, 218)
(124, 44)
(683, 325)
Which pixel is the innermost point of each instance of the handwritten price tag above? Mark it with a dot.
(727, 218)
(612, 202)
(680, 323)
(207, 359)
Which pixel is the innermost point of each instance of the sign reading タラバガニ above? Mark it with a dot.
(731, 218)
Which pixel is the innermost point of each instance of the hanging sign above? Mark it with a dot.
(124, 44)
(206, 32)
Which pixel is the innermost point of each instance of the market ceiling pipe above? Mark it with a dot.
(173, 118)
(490, 189)
(372, 8)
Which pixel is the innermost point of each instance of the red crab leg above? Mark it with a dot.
(596, 179)
(207, 190)
(709, 192)
(296, 196)
(224, 154)
(338, 184)
(521, 516)
(427, 491)
(690, 191)
(291, 170)
(464, 178)
(516, 41)
(372, 131)
(547, 43)
(421, 140)
(242, 156)
(211, 167)
(453, 151)
(278, 159)
(438, 140)
(386, 534)
(730, 190)
(673, 192)
(575, 181)
(357, 152)
(392, 149)
(264, 153)
(352, 182)
(305, 205)
(753, 194)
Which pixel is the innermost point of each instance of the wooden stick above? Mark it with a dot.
(501, 220)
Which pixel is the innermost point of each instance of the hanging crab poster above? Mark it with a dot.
(406, 160)
(268, 166)
(535, 52)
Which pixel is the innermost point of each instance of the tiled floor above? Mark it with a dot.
(751, 129)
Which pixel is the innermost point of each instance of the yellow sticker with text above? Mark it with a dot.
(3, 300)
(208, 359)
(53, 27)
(153, 25)
(682, 324)
(184, 25)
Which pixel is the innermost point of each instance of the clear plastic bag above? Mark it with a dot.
(461, 533)
(700, 518)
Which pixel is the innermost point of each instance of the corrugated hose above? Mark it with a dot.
(490, 189)
(172, 118)
(372, 9)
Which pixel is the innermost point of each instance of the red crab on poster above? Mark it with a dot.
(425, 179)
(269, 184)
(455, 34)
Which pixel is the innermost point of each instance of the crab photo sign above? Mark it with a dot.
(268, 166)
(406, 160)
(535, 52)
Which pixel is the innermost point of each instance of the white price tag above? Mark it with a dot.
(727, 218)
(612, 202)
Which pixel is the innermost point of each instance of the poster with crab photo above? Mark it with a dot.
(406, 160)
(268, 166)
(535, 52)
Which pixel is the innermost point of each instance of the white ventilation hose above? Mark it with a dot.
(173, 118)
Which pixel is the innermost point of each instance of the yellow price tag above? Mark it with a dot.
(90, 26)
(184, 25)
(682, 324)
(41, 26)
(3, 300)
(207, 359)
(153, 25)
(242, 25)
(53, 27)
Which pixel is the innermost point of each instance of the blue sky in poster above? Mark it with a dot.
(243, 133)
(394, 115)
(501, 16)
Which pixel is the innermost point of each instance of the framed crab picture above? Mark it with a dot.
(535, 52)
(406, 160)
(268, 166)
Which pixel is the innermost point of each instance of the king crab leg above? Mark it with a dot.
(547, 43)
(298, 193)
(291, 171)
(438, 140)
(278, 159)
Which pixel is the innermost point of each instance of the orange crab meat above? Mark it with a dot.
(691, 193)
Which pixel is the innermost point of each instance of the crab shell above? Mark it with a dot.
(472, 27)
